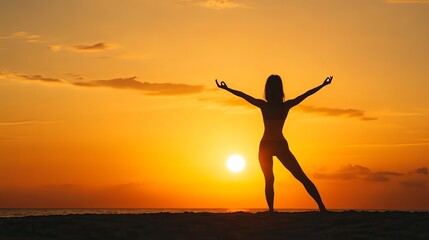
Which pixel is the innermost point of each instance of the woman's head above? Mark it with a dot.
(274, 89)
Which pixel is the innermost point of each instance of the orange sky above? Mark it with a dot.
(108, 103)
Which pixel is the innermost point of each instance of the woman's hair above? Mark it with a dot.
(274, 89)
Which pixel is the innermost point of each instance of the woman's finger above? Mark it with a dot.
(217, 83)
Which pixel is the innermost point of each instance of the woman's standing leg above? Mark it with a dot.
(266, 162)
(289, 161)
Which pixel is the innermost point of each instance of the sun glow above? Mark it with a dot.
(235, 163)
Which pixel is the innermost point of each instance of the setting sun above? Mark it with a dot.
(235, 163)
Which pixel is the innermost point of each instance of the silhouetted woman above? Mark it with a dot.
(273, 143)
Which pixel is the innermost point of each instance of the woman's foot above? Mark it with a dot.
(322, 209)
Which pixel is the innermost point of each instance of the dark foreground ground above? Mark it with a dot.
(222, 226)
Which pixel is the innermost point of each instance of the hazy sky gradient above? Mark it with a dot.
(109, 103)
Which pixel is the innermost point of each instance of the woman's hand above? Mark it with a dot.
(221, 85)
(328, 80)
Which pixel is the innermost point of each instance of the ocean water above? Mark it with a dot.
(24, 212)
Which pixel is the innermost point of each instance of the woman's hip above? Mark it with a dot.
(273, 146)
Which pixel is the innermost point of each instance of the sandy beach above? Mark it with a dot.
(239, 225)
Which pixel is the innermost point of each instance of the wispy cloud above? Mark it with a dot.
(351, 172)
(20, 34)
(29, 77)
(55, 48)
(76, 76)
(33, 38)
(15, 123)
(408, 1)
(422, 170)
(415, 179)
(25, 122)
(386, 145)
(94, 47)
(218, 4)
(97, 47)
(146, 87)
(40, 78)
(353, 113)
(156, 89)
(381, 176)
(23, 35)
(6, 75)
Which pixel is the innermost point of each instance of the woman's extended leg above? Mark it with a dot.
(289, 161)
(266, 162)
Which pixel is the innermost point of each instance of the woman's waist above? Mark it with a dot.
(273, 138)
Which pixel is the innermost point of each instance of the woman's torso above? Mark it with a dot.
(274, 116)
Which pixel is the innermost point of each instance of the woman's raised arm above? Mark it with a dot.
(299, 99)
(250, 99)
